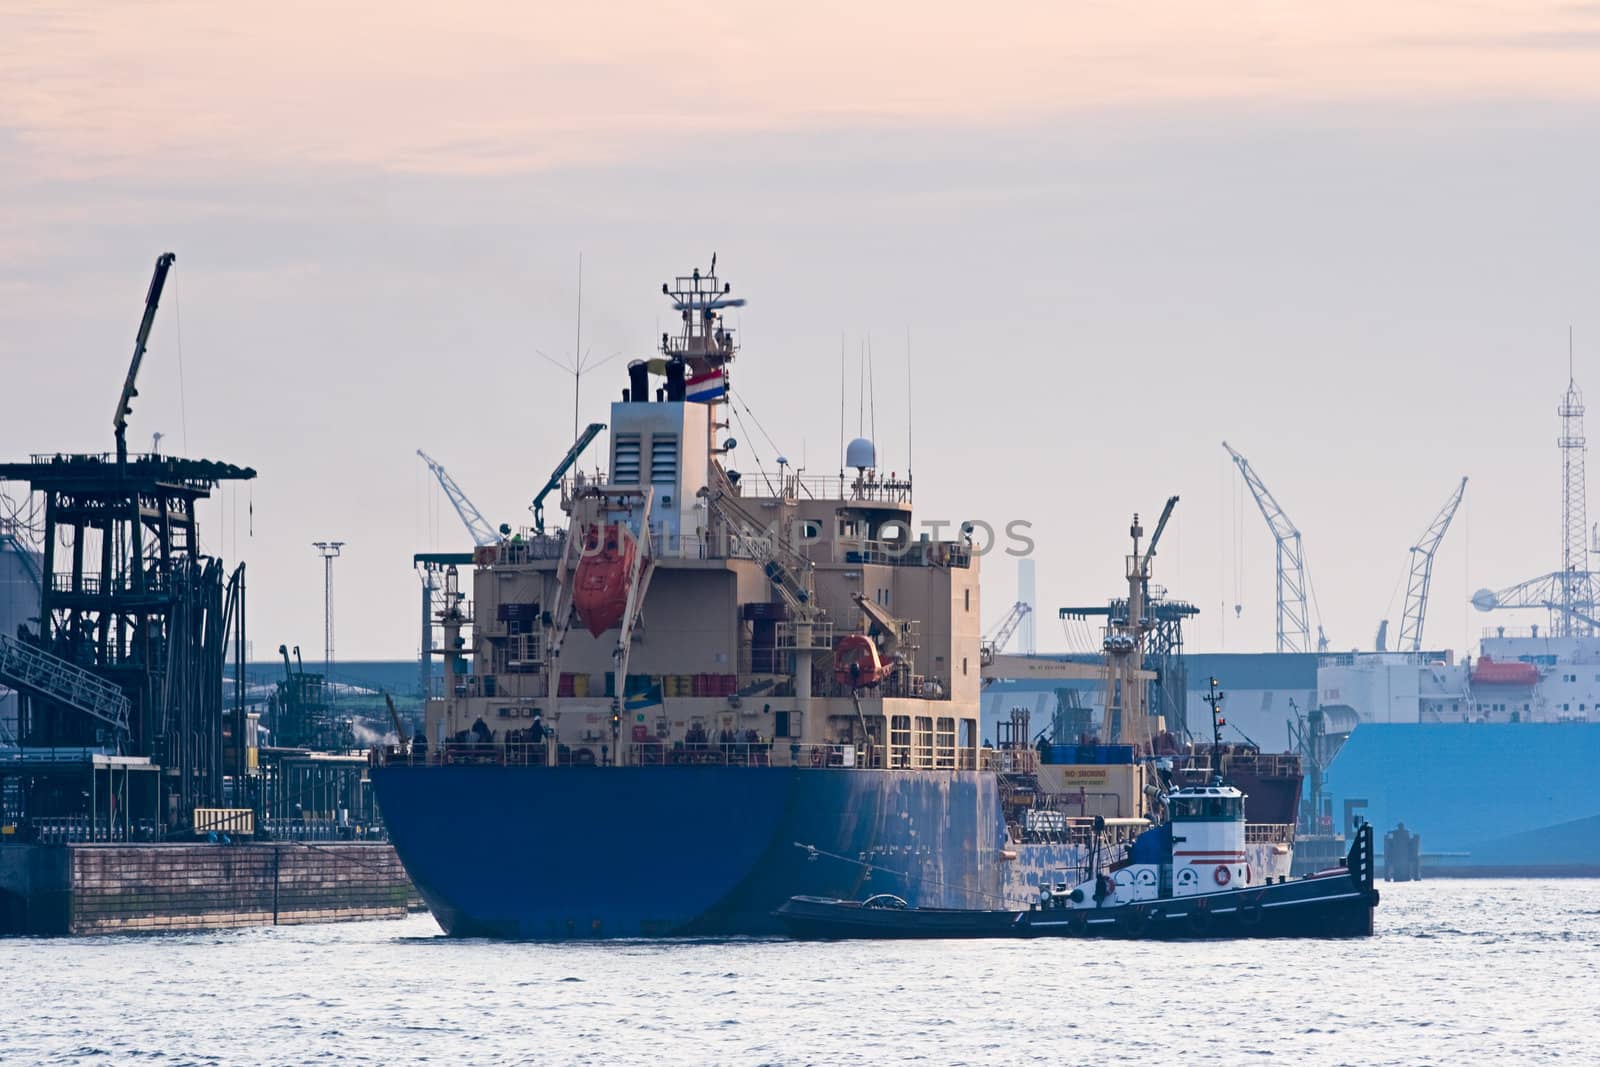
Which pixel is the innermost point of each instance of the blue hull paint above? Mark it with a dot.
(1492, 796)
(535, 852)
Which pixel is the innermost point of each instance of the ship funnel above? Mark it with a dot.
(675, 380)
(639, 381)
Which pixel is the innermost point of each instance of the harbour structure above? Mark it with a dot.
(119, 677)
(127, 741)
(750, 686)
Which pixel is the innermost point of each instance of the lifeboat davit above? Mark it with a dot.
(1501, 672)
(600, 587)
(856, 663)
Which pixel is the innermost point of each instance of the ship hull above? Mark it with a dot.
(540, 852)
(1487, 799)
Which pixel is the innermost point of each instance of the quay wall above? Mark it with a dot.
(97, 889)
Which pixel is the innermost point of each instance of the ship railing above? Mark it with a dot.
(1008, 760)
(765, 752)
(1087, 803)
(862, 487)
(904, 554)
(1269, 833)
(529, 547)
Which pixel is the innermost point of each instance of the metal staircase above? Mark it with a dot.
(37, 671)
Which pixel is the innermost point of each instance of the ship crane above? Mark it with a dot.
(1001, 635)
(566, 464)
(1294, 630)
(1422, 554)
(478, 526)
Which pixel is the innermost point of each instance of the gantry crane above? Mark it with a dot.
(1294, 629)
(482, 533)
(1422, 572)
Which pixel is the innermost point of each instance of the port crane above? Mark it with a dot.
(478, 526)
(152, 299)
(1422, 554)
(1001, 635)
(1294, 630)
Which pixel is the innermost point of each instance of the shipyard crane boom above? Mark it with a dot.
(1000, 636)
(567, 461)
(152, 299)
(482, 533)
(1294, 631)
(1422, 554)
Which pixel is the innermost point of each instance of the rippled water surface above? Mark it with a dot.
(1460, 972)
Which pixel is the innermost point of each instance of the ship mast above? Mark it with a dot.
(705, 346)
(1127, 695)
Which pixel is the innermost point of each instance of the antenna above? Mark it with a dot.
(841, 406)
(580, 357)
(908, 403)
(872, 390)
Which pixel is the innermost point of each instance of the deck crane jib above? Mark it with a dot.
(477, 526)
(1421, 577)
(1293, 618)
(568, 461)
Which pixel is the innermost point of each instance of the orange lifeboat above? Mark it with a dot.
(600, 587)
(856, 663)
(1504, 672)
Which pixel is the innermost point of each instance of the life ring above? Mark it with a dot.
(816, 756)
(1222, 875)
(1247, 874)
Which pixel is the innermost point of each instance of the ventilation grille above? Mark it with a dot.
(625, 465)
(664, 460)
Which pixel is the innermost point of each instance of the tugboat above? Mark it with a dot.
(1186, 877)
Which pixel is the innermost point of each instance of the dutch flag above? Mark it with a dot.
(704, 388)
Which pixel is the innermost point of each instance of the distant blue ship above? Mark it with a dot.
(1486, 798)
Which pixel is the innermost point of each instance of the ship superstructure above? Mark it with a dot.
(686, 611)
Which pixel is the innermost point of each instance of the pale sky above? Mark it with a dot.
(1350, 240)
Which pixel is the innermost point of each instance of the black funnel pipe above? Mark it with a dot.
(676, 370)
(639, 381)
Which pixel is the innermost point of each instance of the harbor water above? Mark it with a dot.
(1461, 971)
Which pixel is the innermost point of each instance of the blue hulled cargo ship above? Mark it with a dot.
(1486, 798)
(701, 697)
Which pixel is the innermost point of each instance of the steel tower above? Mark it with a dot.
(1577, 586)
